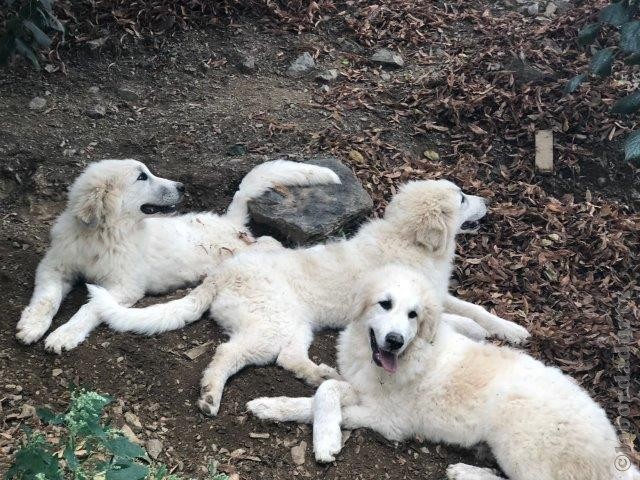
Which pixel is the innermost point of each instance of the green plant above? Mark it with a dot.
(621, 17)
(27, 22)
(88, 449)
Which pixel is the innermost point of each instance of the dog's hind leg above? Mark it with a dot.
(465, 326)
(294, 357)
(51, 286)
(78, 328)
(229, 359)
(495, 325)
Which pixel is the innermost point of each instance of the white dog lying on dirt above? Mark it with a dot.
(270, 303)
(110, 234)
(408, 374)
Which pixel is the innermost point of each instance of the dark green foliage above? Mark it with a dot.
(28, 22)
(620, 15)
(602, 62)
(632, 147)
(108, 454)
(628, 104)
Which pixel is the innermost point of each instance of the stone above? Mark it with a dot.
(525, 73)
(327, 76)
(246, 62)
(96, 111)
(94, 90)
(533, 9)
(431, 155)
(551, 9)
(305, 215)
(56, 372)
(128, 94)
(128, 433)
(387, 58)
(37, 103)
(298, 453)
(154, 448)
(301, 65)
(133, 420)
(544, 151)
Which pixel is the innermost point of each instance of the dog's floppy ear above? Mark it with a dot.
(94, 203)
(430, 317)
(433, 233)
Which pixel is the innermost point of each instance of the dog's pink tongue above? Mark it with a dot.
(389, 361)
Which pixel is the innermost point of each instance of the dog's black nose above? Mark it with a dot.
(180, 187)
(394, 341)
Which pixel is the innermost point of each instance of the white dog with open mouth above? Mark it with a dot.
(408, 374)
(270, 303)
(112, 233)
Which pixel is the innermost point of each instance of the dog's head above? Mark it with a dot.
(395, 305)
(432, 212)
(121, 189)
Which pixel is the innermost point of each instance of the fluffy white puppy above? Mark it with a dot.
(408, 374)
(270, 303)
(113, 233)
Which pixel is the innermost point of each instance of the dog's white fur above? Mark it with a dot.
(270, 303)
(104, 237)
(538, 422)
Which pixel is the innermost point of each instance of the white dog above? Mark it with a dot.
(270, 303)
(111, 234)
(408, 374)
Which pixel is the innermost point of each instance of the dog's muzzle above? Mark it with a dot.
(383, 358)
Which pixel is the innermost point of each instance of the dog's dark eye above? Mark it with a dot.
(143, 176)
(386, 304)
(413, 314)
(463, 199)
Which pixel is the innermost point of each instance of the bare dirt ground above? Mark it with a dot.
(559, 254)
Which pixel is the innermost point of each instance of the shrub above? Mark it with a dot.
(27, 23)
(88, 449)
(619, 17)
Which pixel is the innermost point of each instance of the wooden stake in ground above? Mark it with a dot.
(544, 151)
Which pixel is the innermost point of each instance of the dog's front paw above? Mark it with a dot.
(31, 327)
(208, 404)
(461, 471)
(327, 442)
(65, 337)
(514, 334)
(323, 372)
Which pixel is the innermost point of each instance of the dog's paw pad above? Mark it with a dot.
(324, 457)
(207, 406)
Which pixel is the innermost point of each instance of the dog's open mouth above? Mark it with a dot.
(383, 358)
(150, 209)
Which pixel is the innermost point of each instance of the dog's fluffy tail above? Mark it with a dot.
(155, 318)
(270, 174)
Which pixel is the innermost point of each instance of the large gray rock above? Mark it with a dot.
(301, 65)
(305, 215)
